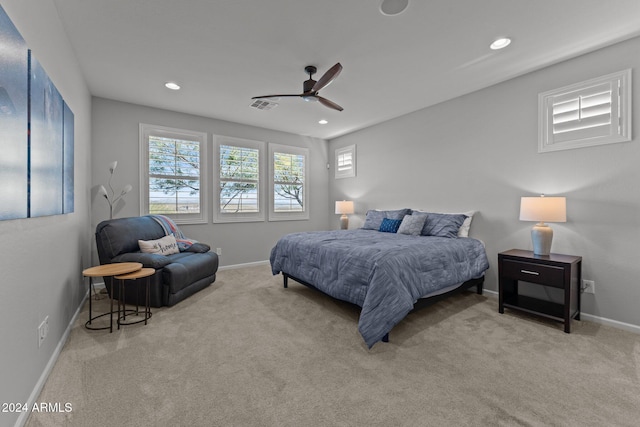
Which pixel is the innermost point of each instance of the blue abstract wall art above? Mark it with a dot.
(36, 134)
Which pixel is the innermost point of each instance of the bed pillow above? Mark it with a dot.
(413, 224)
(374, 218)
(390, 225)
(466, 225)
(165, 246)
(443, 225)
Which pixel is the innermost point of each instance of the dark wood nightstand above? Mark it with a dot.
(554, 270)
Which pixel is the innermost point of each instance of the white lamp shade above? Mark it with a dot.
(543, 209)
(344, 207)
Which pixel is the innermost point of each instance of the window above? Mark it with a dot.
(238, 186)
(288, 183)
(172, 169)
(345, 162)
(593, 112)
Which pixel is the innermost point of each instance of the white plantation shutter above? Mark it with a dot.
(172, 172)
(238, 184)
(288, 182)
(345, 162)
(589, 113)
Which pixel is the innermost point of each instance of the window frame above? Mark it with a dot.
(147, 130)
(288, 216)
(348, 172)
(621, 115)
(220, 217)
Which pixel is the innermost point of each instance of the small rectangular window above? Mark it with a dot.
(345, 159)
(593, 112)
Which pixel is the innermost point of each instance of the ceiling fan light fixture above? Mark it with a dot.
(393, 7)
(500, 43)
(172, 85)
(310, 98)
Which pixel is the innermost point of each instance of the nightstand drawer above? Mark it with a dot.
(536, 273)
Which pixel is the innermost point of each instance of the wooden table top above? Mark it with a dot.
(114, 269)
(138, 274)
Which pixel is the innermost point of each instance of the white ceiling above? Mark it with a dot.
(223, 52)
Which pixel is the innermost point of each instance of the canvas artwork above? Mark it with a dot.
(36, 134)
(13, 121)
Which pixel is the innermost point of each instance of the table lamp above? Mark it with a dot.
(543, 209)
(344, 208)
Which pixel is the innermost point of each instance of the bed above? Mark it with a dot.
(384, 273)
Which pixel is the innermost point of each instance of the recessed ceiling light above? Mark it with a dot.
(393, 7)
(172, 85)
(500, 43)
(323, 122)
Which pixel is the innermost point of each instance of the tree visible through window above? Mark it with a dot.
(239, 179)
(172, 178)
(238, 184)
(288, 182)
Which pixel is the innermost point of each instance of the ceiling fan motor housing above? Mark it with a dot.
(308, 85)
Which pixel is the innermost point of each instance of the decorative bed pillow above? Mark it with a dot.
(374, 218)
(443, 225)
(390, 225)
(165, 246)
(413, 224)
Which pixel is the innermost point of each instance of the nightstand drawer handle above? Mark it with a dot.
(535, 273)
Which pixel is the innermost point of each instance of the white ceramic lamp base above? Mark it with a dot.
(541, 237)
(344, 222)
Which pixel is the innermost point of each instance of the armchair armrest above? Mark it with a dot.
(147, 260)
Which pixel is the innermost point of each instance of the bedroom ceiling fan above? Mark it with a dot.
(310, 88)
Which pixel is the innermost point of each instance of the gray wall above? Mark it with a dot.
(479, 152)
(41, 259)
(115, 137)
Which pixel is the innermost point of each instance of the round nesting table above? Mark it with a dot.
(106, 270)
(138, 274)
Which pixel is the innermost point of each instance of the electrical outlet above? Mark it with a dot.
(219, 251)
(588, 286)
(43, 330)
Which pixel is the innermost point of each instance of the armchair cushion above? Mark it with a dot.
(147, 260)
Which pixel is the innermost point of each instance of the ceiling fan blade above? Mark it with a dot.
(330, 104)
(274, 96)
(327, 77)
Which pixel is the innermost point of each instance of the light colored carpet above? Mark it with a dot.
(246, 352)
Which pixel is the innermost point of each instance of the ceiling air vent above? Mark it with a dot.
(263, 104)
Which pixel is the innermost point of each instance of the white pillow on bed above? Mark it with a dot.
(466, 225)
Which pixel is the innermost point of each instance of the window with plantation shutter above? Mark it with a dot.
(594, 112)
(345, 159)
(172, 170)
(288, 177)
(238, 183)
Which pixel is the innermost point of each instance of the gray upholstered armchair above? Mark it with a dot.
(178, 275)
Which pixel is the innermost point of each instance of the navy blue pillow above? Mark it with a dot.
(390, 225)
(374, 218)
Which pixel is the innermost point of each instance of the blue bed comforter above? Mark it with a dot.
(384, 273)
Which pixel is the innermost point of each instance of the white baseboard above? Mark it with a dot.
(248, 264)
(592, 318)
(24, 416)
